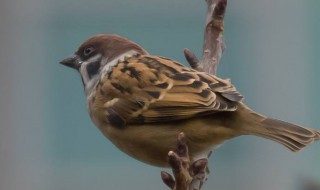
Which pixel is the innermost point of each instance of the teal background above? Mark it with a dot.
(47, 140)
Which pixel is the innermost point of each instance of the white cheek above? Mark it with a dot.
(83, 71)
(94, 58)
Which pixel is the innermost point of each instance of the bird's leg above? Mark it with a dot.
(186, 176)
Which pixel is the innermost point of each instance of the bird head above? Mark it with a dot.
(99, 54)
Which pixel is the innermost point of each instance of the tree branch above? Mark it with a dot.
(188, 176)
(213, 45)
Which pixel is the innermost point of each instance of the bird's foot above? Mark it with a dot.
(186, 175)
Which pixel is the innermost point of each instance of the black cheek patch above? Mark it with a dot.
(93, 68)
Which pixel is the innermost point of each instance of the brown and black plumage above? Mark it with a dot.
(142, 102)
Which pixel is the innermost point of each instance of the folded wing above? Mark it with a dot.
(149, 89)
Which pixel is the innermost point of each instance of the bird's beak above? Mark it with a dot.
(72, 61)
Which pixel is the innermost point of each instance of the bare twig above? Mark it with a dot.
(186, 176)
(213, 45)
(193, 60)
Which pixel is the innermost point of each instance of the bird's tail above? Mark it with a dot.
(292, 136)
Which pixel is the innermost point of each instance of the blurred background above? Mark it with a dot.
(47, 140)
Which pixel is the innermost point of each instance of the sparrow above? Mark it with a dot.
(141, 102)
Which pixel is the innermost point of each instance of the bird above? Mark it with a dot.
(141, 102)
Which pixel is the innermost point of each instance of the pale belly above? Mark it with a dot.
(150, 143)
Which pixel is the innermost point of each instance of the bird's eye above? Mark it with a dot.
(88, 51)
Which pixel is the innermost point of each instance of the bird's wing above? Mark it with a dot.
(147, 89)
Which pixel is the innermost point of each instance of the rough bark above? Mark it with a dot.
(213, 45)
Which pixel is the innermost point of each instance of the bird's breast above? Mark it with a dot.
(150, 143)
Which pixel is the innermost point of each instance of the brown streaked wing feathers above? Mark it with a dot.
(165, 91)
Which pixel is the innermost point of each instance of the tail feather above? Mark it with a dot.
(292, 136)
(291, 145)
